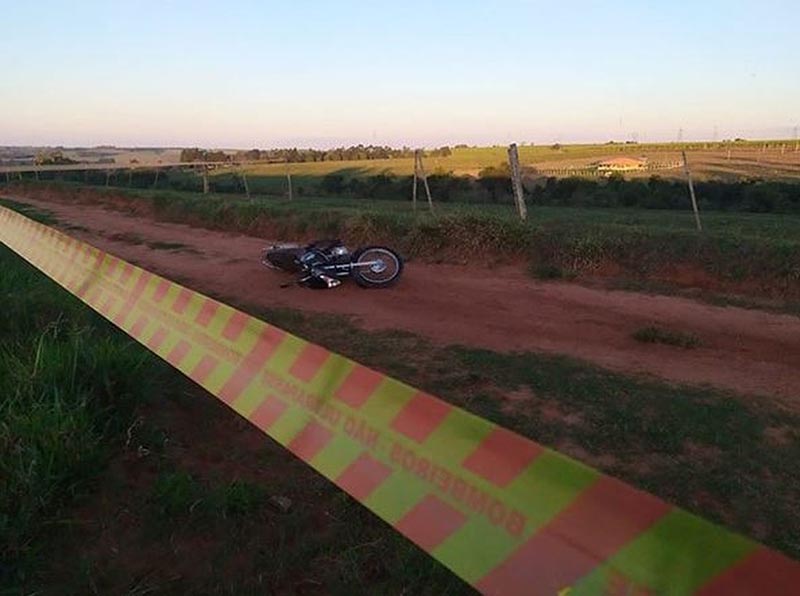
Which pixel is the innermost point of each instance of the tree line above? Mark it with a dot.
(295, 155)
(493, 185)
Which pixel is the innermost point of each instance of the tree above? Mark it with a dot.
(496, 181)
(52, 158)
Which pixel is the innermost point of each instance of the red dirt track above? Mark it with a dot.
(746, 351)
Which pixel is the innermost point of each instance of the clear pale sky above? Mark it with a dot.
(265, 74)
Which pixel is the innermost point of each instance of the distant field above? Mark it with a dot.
(124, 156)
(709, 161)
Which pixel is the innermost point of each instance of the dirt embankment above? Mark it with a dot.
(502, 309)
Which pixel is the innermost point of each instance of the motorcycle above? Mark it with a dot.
(323, 264)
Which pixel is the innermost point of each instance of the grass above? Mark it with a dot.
(167, 246)
(42, 216)
(658, 335)
(177, 494)
(747, 254)
(69, 386)
(138, 240)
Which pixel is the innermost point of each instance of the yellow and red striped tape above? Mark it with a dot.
(504, 513)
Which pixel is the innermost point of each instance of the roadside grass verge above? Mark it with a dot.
(653, 334)
(748, 254)
(68, 386)
(42, 216)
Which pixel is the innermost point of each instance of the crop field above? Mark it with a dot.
(615, 335)
(709, 161)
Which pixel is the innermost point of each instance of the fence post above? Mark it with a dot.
(691, 192)
(516, 181)
(205, 179)
(425, 180)
(414, 188)
(246, 187)
(155, 182)
(289, 181)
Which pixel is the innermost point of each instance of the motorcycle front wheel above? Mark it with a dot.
(376, 267)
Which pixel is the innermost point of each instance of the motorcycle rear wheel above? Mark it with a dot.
(384, 271)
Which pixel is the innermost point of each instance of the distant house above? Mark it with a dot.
(622, 164)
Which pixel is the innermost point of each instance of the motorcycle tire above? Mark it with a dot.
(386, 270)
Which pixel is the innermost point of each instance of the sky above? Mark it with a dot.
(305, 73)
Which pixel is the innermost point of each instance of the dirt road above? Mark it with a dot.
(742, 350)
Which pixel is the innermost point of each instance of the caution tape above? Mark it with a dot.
(504, 513)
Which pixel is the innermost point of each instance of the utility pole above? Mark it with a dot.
(205, 179)
(155, 182)
(516, 181)
(691, 192)
(108, 177)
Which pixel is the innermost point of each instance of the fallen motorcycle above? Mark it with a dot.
(323, 264)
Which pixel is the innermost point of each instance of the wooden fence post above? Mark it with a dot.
(516, 181)
(691, 192)
(424, 177)
(414, 188)
(246, 187)
(155, 182)
(108, 177)
(289, 181)
(205, 179)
